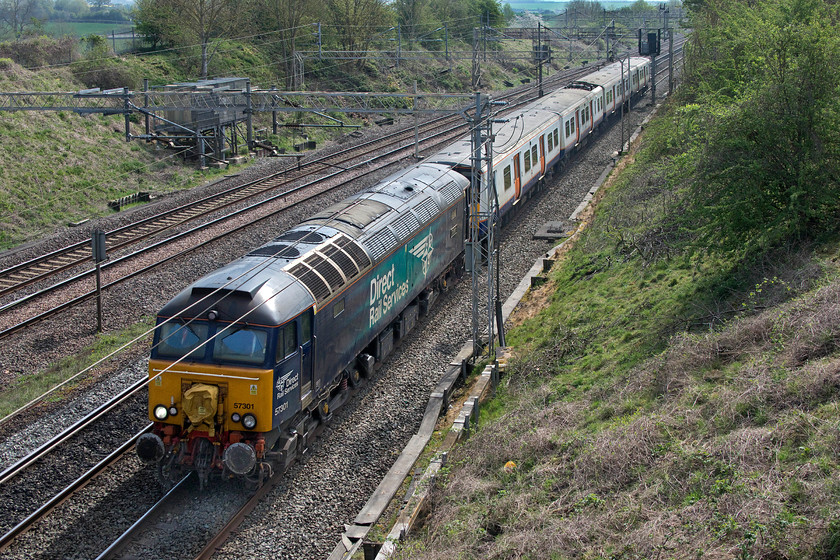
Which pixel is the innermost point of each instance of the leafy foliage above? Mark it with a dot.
(762, 126)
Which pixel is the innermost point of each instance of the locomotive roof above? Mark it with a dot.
(385, 215)
(311, 262)
(250, 289)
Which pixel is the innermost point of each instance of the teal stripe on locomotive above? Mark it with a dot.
(411, 227)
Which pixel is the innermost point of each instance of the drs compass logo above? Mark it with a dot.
(423, 251)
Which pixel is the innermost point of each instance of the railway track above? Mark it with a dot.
(55, 500)
(53, 472)
(13, 316)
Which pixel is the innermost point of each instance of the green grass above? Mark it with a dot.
(665, 399)
(80, 29)
(28, 387)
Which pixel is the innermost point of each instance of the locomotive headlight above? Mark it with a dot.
(249, 421)
(173, 411)
(161, 412)
(235, 417)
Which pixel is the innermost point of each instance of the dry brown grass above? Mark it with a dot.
(733, 454)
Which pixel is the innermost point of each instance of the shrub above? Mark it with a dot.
(39, 51)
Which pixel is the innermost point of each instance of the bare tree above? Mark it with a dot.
(288, 17)
(16, 15)
(191, 22)
(357, 21)
(412, 15)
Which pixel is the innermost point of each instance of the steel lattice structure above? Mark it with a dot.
(125, 101)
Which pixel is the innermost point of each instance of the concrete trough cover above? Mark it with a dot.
(551, 230)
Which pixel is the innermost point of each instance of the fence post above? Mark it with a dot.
(248, 116)
(146, 106)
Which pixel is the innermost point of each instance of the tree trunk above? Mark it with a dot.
(204, 60)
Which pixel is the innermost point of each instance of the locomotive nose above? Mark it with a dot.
(150, 448)
(200, 404)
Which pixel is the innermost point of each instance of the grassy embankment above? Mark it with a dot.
(60, 168)
(677, 394)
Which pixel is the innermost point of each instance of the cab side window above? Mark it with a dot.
(286, 341)
(305, 327)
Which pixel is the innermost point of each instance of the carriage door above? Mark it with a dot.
(542, 155)
(577, 128)
(306, 343)
(517, 183)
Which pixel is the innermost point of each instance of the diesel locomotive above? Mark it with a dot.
(249, 360)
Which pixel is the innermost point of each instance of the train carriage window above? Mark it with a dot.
(338, 308)
(567, 129)
(508, 179)
(534, 157)
(556, 138)
(527, 155)
(182, 339)
(241, 345)
(550, 142)
(573, 125)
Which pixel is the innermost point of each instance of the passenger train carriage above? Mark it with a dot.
(248, 360)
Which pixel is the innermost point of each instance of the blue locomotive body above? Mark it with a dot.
(249, 360)
(300, 318)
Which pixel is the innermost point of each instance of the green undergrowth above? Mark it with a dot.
(25, 388)
(666, 401)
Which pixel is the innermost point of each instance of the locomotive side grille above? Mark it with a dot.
(450, 192)
(311, 280)
(427, 210)
(331, 274)
(340, 258)
(356, 253)
(326, 269)
(405, 225)
(381, 243)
